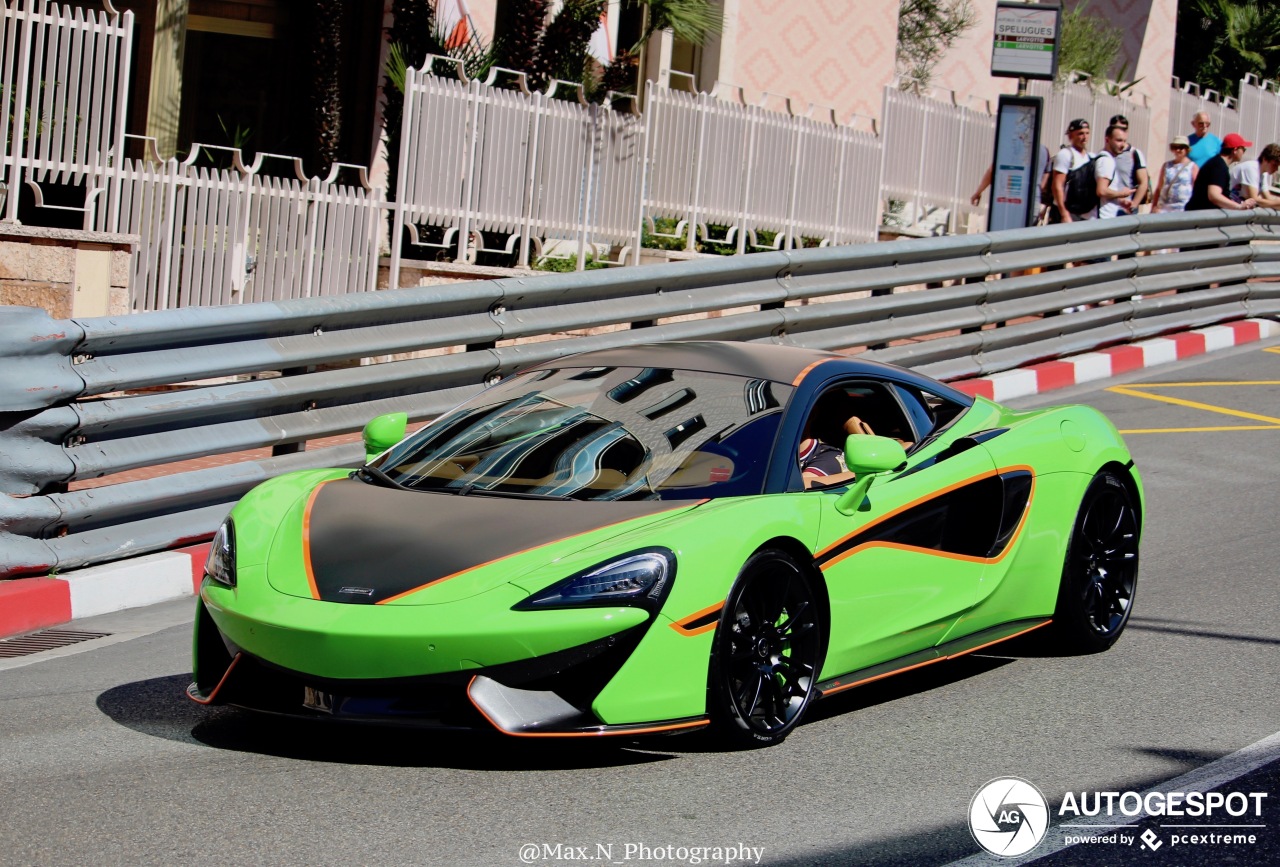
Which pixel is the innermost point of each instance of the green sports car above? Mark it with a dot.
(626, 541)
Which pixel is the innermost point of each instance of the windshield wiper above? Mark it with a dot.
(471, 490)
(370, 473)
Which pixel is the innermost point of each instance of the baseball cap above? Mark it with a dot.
(1180, 141)
(1235, 140)
(1077, 124)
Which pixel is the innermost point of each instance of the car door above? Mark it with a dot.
(910, 561)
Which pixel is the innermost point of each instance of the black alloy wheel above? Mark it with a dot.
(1100, 574)
(767, 651)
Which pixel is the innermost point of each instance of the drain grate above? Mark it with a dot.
(48, 639)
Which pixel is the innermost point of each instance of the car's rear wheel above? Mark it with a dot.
(767, 651)
(1100, 575)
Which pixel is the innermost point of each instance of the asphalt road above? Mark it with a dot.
(103, 761)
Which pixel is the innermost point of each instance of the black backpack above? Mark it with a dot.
(1081, 194)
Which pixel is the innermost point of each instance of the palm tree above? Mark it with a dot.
(1219, 42)
(327, 21)
(562, 51)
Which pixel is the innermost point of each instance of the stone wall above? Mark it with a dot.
(66, 272)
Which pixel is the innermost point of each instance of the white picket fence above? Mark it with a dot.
(62, 92)
(935, 152)
(228, 236)
(721, 161)
(486, 167)
(1225, 115)
(1081, 99)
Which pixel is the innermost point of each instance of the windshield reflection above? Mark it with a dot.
(599, 434)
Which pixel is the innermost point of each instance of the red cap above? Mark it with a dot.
(1235, 140)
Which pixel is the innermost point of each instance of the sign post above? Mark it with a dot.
(1025, 45)
(1018, 164)
(1026, 40)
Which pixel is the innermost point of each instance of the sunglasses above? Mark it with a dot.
(1179, 147)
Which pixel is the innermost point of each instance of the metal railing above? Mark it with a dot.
(92, 398)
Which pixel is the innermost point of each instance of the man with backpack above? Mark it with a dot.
(1075, 188)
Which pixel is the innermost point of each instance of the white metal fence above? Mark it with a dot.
(1187, 99)
(940, 150)
(484, 167)
(62, 95)
(1259, 113)
(1096, 105)
(715, 161)
(226, 236)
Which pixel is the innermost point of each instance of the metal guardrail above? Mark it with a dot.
(89, 398)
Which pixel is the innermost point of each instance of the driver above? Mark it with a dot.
(822, 462)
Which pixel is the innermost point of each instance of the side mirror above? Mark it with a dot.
(383, 432)
(867, 456)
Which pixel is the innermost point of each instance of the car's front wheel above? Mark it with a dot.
(1100, 574)
(767, 651)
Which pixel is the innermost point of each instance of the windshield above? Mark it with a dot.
(602, 433)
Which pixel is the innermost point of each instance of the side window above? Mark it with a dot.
(929, 413)
(874, 403)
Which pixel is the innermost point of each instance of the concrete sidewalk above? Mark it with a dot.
(28, 604)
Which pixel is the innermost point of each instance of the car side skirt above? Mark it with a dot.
(950, 650)
(531, 713)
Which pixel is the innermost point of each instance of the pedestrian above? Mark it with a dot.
(1131, 163)
(1176, 179)
(1115, 197)
(1268, 163)
(1204, 144)
(1074, 188)
(1212, 188)
(1246, 177)
(1039, 193)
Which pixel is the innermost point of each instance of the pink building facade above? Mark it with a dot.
(838, 55)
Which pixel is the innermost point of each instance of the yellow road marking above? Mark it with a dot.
(1196, 384)
(1200, 429)
(1275, 349)
(1177, 401)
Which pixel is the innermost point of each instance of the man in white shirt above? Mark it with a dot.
(1069, 157)
(1115, 196)
(1268, 165)
(1132, 163)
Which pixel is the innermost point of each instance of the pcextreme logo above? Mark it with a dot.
(1008, 817)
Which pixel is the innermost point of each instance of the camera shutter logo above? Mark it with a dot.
(1008, 817)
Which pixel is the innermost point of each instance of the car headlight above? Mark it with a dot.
(641, 579)
(221, 563)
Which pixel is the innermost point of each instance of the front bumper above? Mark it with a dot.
(537, 695)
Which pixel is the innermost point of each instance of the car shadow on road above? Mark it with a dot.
(160, 708)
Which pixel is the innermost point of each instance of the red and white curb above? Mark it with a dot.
(28, 604)
(1116, 360)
